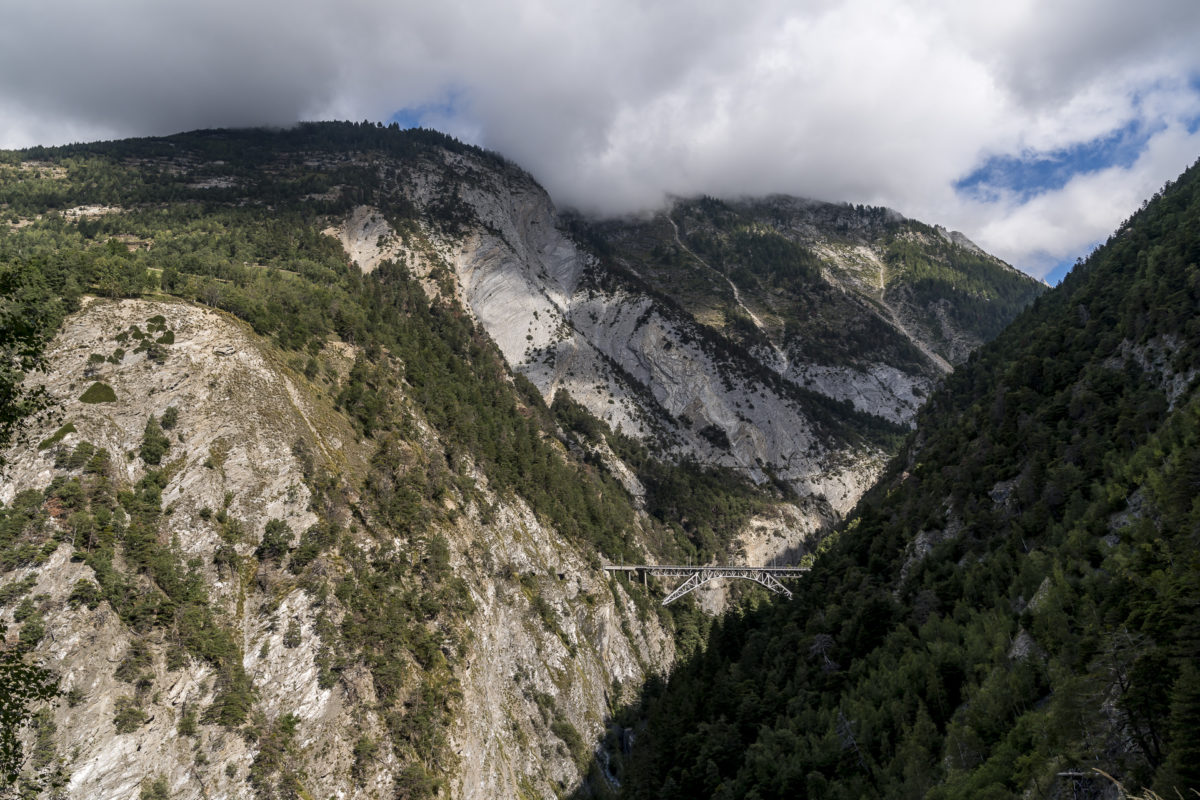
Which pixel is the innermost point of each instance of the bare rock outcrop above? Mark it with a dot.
(549, 636)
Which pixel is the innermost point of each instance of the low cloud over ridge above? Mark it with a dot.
(613, 104)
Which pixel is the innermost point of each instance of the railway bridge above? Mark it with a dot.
(698, 576)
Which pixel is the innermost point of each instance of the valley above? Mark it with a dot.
(328, 433)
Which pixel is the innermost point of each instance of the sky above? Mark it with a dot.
(1033, 126)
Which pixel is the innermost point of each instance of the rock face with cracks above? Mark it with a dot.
(640, 361)
(648, 324)
(550, 636)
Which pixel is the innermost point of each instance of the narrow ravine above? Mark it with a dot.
(737, 296)
(943, 364)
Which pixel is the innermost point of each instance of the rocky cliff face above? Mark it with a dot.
(547, 640)
(686, 347)
(274, 565)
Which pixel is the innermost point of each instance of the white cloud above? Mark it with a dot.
(612, 103)
(1042, 231)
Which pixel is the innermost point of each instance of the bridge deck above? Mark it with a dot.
(690, 569)
(698, 576)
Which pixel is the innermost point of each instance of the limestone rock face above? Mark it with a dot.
(367, 238)
(698, 360)
(549, 637)
(642, 365)
(530, 667)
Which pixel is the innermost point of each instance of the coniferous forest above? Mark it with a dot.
(1013, 606)
(1016, 604)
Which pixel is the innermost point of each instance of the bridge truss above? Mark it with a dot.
(695, 577)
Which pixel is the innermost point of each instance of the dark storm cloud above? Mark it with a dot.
(614, 103)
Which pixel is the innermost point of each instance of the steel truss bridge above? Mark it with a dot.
(698, 576)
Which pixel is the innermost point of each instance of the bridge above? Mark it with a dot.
(698, 576)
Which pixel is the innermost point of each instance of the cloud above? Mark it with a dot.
(1086, 209)
(613, 104)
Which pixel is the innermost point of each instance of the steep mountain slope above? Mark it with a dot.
(208, 590)
(333, 547)
(859, 304)
(748, 337)
(1017, 602)
(341, 423)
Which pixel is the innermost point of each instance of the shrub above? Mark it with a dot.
(563, 729)
(128, 717)
(32, 631)
(137, 660)
(155, 789)
(86, 593)
(25, 610)
(276, 538)
(99, 392)
(154, 443)
(56, 437)
(98, 463)
(235, 696)
(291, 636)
(365, 751)
(77, 458)
(187, 721)
(16, 589)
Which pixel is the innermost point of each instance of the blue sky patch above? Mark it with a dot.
(412, 116)
(1031, 174)
(1193, 124)
(1059, 271)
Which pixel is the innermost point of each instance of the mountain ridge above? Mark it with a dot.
(427, 563)
(1015, 603)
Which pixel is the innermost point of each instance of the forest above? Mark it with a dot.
(1018, 598)
(239, 230)
(1015, 606)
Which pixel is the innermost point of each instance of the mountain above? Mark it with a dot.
(316, 441)
(787, 340)
(1016, 604)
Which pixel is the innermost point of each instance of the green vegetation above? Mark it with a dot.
(102, 519)
(155, 788)
(376, 566)
(32, 305)
(56, 437)
(98, 393)
(1016, 599)
(136, 662)
(154, 443)
(761, 247)
(273, 773)
(86, 593)
(24, 687)
(401, 608)
(128, 715)
(276, 539)
(16, 589)
(79, 457)
(926, 271)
